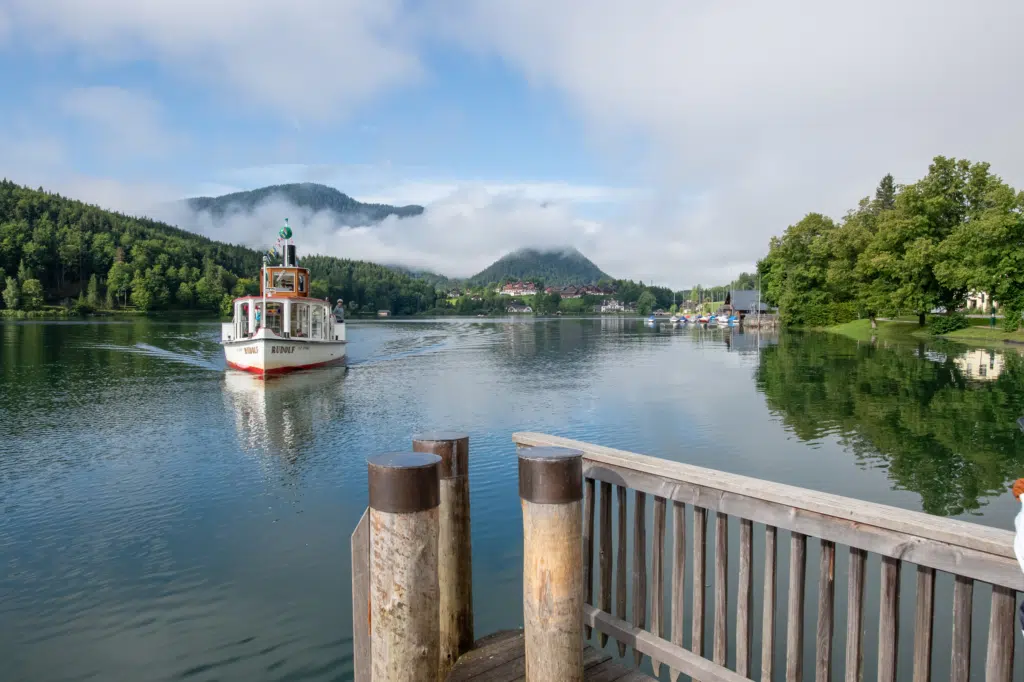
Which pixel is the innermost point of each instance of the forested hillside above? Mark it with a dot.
(55, 250)
(304, 195)
(556, 268)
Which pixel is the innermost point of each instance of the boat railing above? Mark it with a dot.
(634, 580)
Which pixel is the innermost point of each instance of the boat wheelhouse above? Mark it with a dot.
(284, 328)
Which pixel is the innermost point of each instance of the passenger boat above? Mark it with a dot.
(284, 328)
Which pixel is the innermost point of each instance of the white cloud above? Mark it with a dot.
(463, 232)
(123, 122)
(307, 60)
(747, 114)
(770, 110)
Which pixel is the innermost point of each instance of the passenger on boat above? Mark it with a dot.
(339, 311)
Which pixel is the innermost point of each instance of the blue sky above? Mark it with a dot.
(665, 141)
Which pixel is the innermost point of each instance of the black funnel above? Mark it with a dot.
(289, 256)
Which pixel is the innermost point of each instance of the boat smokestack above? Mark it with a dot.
(289, 256)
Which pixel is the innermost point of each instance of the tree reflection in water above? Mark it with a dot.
(940, 427)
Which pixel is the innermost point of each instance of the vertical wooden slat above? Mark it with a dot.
(678, 577)
(963, 597)
(744, 599)
(855, 615)
(721, 587)
(923, 622)
(700, 537)
(768, 605)
(588, 546)
(657, 574)
(620, 564)
(1001, 633)
(795, 616)
(639, 566)
(606, 553)
(888, 619)
(826, 612)
(361, 599)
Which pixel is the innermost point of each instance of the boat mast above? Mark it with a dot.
(263, 289)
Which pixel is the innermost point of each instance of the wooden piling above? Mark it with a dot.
(551, 491)
(404, 616)
(454, 549)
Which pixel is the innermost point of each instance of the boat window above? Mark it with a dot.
(300, 320)
(284, 280)
(242, 319)
(316, 323)
(275, 317)
(302, 284)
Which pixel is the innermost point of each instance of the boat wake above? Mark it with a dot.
(194, 358)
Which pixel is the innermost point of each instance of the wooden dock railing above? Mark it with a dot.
(970, 552)
(412, 596)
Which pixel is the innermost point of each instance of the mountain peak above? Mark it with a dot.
(556, 266)
(305, 195)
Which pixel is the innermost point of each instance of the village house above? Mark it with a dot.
(518, 289)
(612, 306)
(979, 301)
(572, 291)
(743, 303)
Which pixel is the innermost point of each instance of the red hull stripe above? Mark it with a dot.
(285, 370)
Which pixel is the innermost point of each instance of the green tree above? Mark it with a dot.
(93, 296)
(645, 304)
(119, 280)
(12, 294)
(885, 194)
(31, 294)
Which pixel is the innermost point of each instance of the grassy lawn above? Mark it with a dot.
(975, 335)
(887, 329)
(985, 335)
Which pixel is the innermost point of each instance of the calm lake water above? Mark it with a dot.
(163, 519)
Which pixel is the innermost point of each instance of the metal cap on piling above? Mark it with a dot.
(404, 482)
(550, 475)
(451, 446)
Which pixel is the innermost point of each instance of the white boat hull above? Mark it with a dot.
(274, 355)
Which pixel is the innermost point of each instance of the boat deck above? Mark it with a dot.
(501, 658)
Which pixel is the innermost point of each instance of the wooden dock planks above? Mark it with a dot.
(501, 658)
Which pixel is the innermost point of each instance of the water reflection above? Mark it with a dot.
(944, 427)
(279, 415)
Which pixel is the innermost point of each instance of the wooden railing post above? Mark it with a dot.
(454, 550)
(404, 498)
(551, 490)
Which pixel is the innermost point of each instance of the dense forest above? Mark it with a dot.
(55, 250)
(306, 195)
(557, 268)
(437, 281)
(909, 250)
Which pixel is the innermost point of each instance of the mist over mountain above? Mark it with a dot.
(305, 195)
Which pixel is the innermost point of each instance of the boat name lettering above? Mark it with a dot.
(252, 350)
(282, 349)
